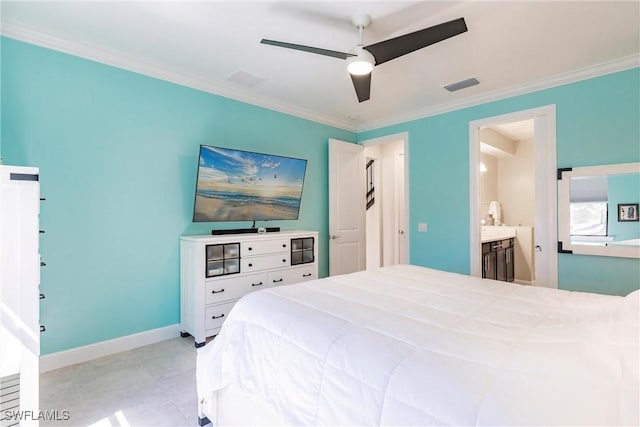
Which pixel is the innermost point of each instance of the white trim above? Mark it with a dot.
(116, 59)
(385, 139)
(548, 131)
(545, 124)
(614, 66)
(404, 136)
(70, 357)
(119, 60)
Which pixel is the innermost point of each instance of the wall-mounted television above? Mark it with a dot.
(237, 185)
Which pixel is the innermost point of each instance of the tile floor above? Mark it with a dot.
(154, 385)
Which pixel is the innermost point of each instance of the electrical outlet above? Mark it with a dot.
(422, 227)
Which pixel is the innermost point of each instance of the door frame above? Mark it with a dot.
(545, 167)
(404, 136)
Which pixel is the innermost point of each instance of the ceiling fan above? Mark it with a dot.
(361, 59)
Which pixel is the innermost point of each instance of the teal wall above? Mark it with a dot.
(597, 123)
(118, 156)
(117, 153)
(623, 189)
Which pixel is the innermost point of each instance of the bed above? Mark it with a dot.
(407, 345)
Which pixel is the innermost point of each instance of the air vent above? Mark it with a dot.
(10, 399)
(462, 84)
(245, 79)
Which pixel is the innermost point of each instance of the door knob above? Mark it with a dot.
(333, 237)
(538, 248)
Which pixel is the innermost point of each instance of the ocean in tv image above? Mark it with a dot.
(235, 185)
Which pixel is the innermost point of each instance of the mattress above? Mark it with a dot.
(407, 345)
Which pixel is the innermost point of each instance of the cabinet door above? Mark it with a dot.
(509, 269)
(222, 259)
(501, 264)
(302, 250)
(489, 266)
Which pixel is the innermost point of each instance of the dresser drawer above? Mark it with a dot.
(221, 290)
(293, 275)
(262, 247)
(260, 263)
(216, 314)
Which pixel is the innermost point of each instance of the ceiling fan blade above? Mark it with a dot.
(393, 48)
(317, 50)
(362, 85)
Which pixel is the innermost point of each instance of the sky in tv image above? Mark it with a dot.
(236, 185)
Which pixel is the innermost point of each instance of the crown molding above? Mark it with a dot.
(119, 60)
(36, 37)
(609, 67)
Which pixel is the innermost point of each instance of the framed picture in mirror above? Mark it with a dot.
(628, 212)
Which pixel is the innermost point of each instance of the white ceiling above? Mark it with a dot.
(516, 131)
(511, 47)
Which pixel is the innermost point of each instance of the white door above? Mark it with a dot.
(347, 251)
(401, 227)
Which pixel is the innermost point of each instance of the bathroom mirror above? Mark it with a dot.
(598, 210)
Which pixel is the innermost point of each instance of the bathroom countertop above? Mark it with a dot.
(492, 233)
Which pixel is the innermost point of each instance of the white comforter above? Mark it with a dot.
(407, 345)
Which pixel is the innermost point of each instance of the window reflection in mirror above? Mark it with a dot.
(588, 219)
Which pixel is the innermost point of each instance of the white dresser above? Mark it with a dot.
(19, 295)
(215, 271)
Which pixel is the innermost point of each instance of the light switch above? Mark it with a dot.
(422, 227)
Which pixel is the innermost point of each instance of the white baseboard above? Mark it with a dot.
(70, 357)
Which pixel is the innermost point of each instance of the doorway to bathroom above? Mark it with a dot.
(512, 189)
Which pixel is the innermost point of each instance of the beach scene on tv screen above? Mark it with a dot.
(236, 185)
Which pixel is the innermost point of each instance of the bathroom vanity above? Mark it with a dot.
(498, 253)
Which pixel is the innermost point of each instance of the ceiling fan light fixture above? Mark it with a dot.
(361, 64)
(361, 59)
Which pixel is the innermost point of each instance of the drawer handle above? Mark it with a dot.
(217, 317)
(284, 260)
(277, 281)
(217, 292)
(256, 284)
(284, 245)
(250, 265)
(42, 328)
(306, 275)
(250, 248)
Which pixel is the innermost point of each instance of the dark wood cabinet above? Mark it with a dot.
(498, 260)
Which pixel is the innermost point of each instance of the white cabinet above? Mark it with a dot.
(215, 271)
(19, 294)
